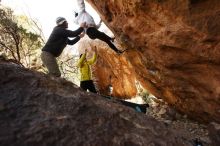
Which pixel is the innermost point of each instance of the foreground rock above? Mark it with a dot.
(37, 110)
(214, 130)
(197, 132)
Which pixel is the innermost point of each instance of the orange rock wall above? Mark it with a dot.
(113, 69)
(173, 48)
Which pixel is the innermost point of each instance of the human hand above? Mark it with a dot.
(83, 25)
(82, 34)
(94, 49)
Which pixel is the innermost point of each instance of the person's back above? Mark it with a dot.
(85, 72)
(82, 16)
(56, 42)
(85, 17)
(84, 66)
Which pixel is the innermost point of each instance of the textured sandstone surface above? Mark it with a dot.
(173, 50)
(110, 69)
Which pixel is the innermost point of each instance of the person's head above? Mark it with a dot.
(61, 21)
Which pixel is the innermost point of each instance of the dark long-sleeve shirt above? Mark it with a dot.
(59, 39)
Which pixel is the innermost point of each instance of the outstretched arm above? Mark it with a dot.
(73, 41)
(70, 33)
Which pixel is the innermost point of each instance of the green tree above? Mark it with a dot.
(18, 40)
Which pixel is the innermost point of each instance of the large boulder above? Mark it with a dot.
(173, 50)
(214, 133)
(36, 109)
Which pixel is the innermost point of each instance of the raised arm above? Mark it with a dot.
(92, 61)
(81, 60)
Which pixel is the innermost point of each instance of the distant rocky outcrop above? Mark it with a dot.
(173, 51)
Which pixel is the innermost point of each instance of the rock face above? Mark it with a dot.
(38, 110)
(173, 48)
(111, 68)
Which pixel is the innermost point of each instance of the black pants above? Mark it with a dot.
(94, 33)
(88, 85)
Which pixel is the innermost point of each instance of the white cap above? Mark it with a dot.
(60, 20)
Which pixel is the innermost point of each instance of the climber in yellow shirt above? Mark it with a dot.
(86, 81)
